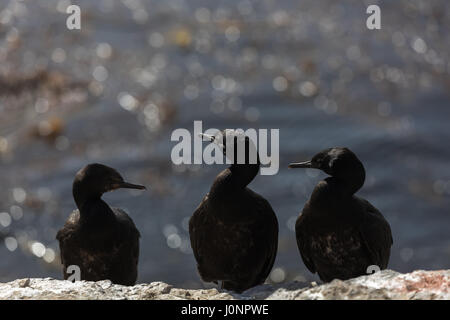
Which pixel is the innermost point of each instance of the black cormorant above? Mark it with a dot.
(340, 235)
(102, 241)
(234, 231)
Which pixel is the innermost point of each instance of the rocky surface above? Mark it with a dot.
(386, 284)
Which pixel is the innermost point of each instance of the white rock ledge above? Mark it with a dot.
(386, 284)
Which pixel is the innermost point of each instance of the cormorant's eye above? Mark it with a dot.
(316, 162)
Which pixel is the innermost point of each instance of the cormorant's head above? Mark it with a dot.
(96, 179)
(337, 162)
(235, 145)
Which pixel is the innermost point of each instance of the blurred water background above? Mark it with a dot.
(114, 91)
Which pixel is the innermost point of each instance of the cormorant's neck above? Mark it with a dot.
(243, 174)
(236, 177)
(83, 196)
(94, 212)
(351, 181)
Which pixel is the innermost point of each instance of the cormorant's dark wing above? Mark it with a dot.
(376, 235)
(126, 221)
(302, 242)
(194, 233)
(128, 248)
(64, 234)
(262, 225)
(270, 231)
(112, 253)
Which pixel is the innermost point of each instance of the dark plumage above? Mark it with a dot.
(101, 240)
(338, 234)
(234, 231)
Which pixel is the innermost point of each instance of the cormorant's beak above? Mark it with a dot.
(126, 185)
(214, 139)
(207, 137)
(304, 164)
